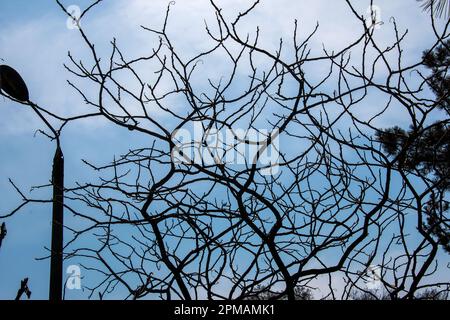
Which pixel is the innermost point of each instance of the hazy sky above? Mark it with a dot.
(34, 39)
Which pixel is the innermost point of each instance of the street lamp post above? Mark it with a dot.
(13, 85)
(56, 264)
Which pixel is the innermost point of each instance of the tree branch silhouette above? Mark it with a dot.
(344, 193)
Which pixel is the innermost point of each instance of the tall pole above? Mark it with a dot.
(56, 263)
(13, 85)
(56, 260)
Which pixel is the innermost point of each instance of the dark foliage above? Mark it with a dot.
(427, 149)
(264, 293)
(438, 222)
(441, 8)
(438, 61)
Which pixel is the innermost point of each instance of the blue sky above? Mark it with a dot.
(35, 40)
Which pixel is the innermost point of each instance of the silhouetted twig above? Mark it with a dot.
(3, 232)
(23, 289)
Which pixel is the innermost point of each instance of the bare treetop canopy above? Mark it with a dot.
(274, 178)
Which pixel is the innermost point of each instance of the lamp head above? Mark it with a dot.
(12, 84)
